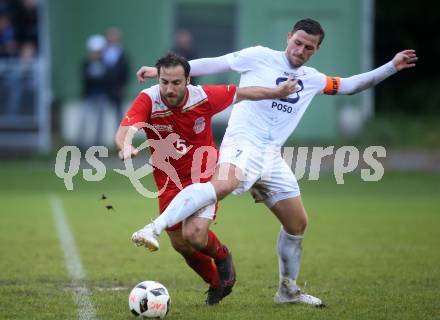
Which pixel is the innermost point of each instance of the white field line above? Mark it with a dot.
(86, 311)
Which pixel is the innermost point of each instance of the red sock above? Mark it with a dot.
(214, 248)
(204, 267)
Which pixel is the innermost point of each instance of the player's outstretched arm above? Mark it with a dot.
(281, 91)
(207, 66)
(199, 67)
(357, 83)
(146, 72)
(123, 140)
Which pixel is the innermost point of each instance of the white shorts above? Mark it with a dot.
(266, 174)
(207, 212)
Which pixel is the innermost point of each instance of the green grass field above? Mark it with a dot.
(371, 250)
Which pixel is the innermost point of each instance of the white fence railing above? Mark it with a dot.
(24, 105)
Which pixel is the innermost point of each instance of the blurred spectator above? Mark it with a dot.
(183, 46)
(95, 86)
(5, 7)
(117, 65)
(21, 80)
(26, 21)
(7, 37)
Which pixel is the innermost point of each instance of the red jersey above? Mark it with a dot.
(181, 144)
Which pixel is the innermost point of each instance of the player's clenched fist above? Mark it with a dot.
(145, 72)
(287, 87)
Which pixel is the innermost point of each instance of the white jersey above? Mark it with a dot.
(270, 122)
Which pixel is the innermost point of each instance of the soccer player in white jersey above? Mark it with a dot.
(250, 154)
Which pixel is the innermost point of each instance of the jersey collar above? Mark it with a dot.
(286, 61)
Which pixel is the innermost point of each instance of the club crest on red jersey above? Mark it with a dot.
(199, 125)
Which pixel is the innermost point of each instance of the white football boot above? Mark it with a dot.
(289, 292)
(147, 237)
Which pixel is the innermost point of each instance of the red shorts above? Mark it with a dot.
(164, 200)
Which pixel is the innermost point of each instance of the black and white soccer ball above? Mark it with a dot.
(149, 299)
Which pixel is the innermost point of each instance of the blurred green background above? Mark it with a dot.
(372, 247)
(401, 112)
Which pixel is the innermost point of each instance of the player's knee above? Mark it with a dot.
(195, 237)
(301, 226)
(183, 247)
(298, 227)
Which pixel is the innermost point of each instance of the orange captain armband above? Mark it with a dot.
(332, 85)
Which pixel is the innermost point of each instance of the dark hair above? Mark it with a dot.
(311, 27)
(173, 60)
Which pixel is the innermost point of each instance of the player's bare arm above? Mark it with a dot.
(281, 91)
(123, 140)
(403, 60)
(146, 72)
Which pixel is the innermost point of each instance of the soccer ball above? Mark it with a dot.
(149, 299)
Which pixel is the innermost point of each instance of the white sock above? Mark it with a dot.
(184, 204)
(289, 254)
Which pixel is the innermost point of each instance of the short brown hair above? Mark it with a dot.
(173, 60)
(310, 26)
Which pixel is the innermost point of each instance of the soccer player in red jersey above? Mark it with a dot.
(176, 118)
